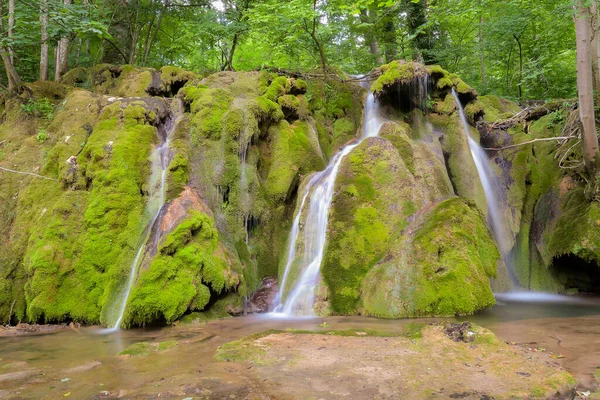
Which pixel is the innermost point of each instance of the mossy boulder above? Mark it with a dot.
(190, 266)
(497, 108)
(440, 266)
(381, 184)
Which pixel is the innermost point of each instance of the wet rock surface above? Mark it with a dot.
(262, 299)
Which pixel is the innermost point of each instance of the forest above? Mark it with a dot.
(518, 49)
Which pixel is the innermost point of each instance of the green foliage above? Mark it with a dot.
(42, 135)
(42, 108)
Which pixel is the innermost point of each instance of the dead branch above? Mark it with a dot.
(529, 142)
(28, 173)
(313, 75)
(527, 114)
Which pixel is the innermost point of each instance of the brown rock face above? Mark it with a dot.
(177, 211)
(262, 298)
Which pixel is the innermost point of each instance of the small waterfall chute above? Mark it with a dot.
(317, 196)
(161, 158)
(491, 188)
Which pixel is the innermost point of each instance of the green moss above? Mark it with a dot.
(189, 262)
(399, 134)
(137, 349)
(474, 109)
(170, 76)
(290, 104)
(344, 129)
(462, 88)
(362, 225)
(442, 270)
(267, 110)
(397, 72)
(497, 108)
(169, 344)
(279, 87)
(459, 161)
(292, 155)
(76, 259)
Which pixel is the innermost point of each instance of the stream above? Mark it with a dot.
(84, 363)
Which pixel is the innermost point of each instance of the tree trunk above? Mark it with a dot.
(370, 38)
(158, 23)
(416, 17)
(229, 62)
(11, 26)
(11, 73)
(44, 31)
(595, 42)
(481, 55)
(389, 38)
(585, 84)
(61, 54)
(519, 85)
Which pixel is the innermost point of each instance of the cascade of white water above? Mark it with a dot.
(244, 195)
(319, 193)
(491, 188)
(161, 157)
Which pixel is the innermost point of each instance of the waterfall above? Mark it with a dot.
(161, 158)
(244, 195)
(491, 188)
(319, 193)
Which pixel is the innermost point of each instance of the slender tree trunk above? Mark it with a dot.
(11, 27)
(508, 70)
(61, 54)
(370, 38)
(44, 31)
(519, 85)
(481, 54)
(229, 63)
(11, 73)
(158, 23)
(389, 38)
(595, 42)
(585, 84)
(147, 40)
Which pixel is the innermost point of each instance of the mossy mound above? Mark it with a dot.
(414, 85)
(189, 268)
(375, 197)
(440, 266)
(129, 81)
(497, 108)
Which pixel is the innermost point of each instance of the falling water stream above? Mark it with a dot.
(491, 188)
(319, 193)
(161, 157)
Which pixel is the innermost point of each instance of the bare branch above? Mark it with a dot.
(28, 173)
(529, 142)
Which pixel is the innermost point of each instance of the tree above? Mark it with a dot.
(12, 76)
(44, 34)
(585, 83)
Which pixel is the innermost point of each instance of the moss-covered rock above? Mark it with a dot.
(496, 108)
(440, 266)
(190, 266)
(459, 161)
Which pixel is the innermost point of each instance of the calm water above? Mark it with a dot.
(565, 326)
